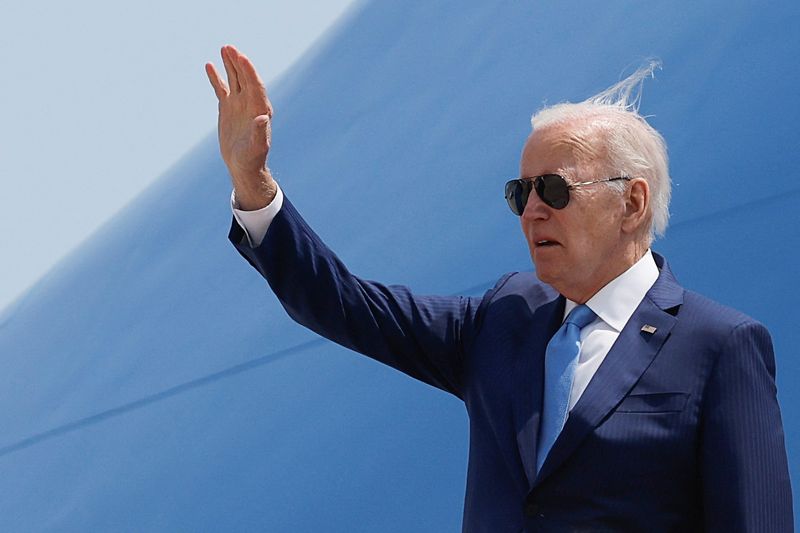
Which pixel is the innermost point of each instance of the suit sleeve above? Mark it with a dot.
(423, 336)
(745, 475)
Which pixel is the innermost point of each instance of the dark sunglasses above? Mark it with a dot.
(551, 188)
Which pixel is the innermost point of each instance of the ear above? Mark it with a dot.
(637, 203)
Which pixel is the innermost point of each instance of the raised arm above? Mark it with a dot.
(245, 115)
(421, 336)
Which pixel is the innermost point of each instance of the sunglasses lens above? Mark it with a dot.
(553, 190)
(517, 192)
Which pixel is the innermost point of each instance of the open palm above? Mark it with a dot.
(244, 127)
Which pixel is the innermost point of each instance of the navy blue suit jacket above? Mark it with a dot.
(679, 429)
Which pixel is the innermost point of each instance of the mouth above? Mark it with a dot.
(545, 243)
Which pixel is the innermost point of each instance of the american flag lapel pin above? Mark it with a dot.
(647, 328)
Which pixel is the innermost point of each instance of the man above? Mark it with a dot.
(602, 396)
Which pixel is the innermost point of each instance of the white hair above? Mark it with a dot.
(631, 147)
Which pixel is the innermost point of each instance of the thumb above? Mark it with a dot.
(262, 130)
(262, 120)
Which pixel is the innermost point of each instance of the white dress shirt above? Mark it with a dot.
(256, 223)
(614, 304)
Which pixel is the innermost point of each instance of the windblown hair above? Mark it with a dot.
(611, 122)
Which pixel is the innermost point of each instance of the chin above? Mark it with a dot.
(543, 274)
(547, 275)
(544, 278)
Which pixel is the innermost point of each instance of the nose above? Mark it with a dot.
(535, 208)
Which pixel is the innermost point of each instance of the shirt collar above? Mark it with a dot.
(616, 302)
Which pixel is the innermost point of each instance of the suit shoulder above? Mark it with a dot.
(714, 322)
(523, 284)
(514, 299)
(715, 311)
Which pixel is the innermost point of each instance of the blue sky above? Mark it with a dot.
(100, 98)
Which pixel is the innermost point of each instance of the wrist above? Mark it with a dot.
(255, 191)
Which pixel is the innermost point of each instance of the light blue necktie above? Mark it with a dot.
(561, 358)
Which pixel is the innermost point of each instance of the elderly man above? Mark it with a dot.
(602, 396)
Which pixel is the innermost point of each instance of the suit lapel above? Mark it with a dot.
(629, 357)
(529, 381)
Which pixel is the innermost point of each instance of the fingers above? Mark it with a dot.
(251, 83)
(229, 59)
(239, 63)
(219, 85)
(243, 79)
(247, 72)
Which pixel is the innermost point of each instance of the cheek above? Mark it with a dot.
(603, 222)
(526, 228)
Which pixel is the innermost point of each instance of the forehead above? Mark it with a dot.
(562, 149)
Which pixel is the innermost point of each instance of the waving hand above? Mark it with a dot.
(245, 115)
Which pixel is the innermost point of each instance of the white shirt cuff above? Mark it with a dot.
(256, 223)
